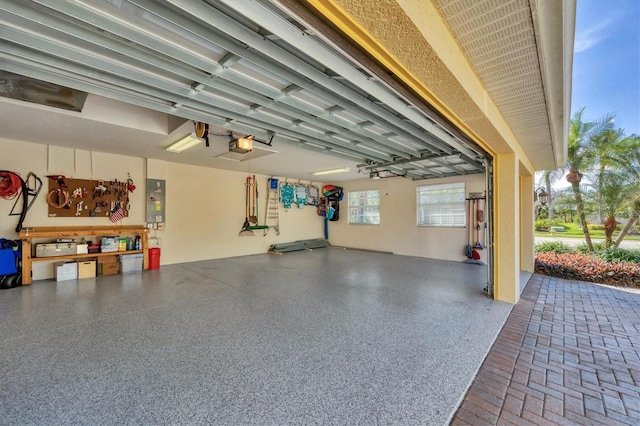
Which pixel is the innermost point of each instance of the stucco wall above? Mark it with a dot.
(398, 231)
(205, 207)
(208, 228)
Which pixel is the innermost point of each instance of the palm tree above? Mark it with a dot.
(633, 168)
(581, 157)
(614, 188)
(608, 150)
(635, 216)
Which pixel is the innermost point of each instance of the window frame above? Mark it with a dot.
(450, 205)
(351, 208)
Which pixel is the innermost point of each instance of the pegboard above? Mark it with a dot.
(87, 198)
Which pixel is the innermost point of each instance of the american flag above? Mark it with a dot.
(117, 214)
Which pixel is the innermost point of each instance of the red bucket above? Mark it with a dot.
(154, 258)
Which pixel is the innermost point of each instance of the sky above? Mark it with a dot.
(606, 62)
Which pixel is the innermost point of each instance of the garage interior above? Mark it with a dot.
(329, 336)
(391, 329)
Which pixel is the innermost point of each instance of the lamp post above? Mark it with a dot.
(543, 197)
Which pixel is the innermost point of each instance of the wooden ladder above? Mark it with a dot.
(272, 211)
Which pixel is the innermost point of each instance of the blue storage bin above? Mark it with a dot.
(9, 256)
(7, 262)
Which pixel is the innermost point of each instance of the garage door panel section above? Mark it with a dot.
(244, 66)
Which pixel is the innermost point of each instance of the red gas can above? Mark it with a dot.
(154, 258)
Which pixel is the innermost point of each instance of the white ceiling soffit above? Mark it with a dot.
(516, 48)
(244, 66)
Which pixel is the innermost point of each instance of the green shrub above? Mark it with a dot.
(543, 225)
(582, 249)
(600, 227)
(617, 254)
(598, 246)
(553, 246)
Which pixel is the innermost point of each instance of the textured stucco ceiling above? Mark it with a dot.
(501, 45)
(499, 41)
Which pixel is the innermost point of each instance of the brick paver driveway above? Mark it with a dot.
(568, 354)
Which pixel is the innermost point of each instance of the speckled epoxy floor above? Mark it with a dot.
(327, 336)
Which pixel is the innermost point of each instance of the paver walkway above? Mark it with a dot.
(568, 354)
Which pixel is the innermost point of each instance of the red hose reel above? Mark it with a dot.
(10, 185)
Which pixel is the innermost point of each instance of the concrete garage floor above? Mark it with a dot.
(329, 336)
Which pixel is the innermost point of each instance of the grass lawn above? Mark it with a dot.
(574, 231)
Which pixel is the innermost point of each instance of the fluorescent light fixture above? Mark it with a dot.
(331, 171)
(185, 143)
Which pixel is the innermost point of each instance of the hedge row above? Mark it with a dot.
(576, 266)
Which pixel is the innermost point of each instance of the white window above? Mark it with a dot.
(442, 205)
(364, 207)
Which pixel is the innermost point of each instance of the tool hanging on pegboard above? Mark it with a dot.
(69, 197)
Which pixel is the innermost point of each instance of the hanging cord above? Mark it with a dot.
(7, 188)
(62, 198)
(10, 184)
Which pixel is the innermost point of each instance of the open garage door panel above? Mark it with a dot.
(249, 67)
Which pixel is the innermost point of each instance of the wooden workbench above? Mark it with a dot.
(28, 234)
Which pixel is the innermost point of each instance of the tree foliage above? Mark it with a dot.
(603, 170)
